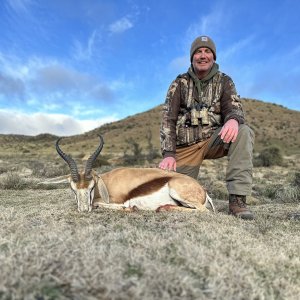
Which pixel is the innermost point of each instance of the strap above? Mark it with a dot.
(190, 99)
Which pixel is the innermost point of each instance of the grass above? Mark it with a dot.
(14, 181)
(50, 251)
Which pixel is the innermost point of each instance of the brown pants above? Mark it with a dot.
(239, 154)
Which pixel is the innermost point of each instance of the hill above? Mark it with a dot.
(273, 125)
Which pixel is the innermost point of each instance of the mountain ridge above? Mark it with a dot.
(274, 125)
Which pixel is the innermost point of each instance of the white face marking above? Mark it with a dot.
(152, 201)
(84, 196)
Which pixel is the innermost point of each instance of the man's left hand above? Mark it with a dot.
(229, 131)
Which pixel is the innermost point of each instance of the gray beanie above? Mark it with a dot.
(203, 41)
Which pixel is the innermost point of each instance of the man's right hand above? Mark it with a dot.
(168, 163)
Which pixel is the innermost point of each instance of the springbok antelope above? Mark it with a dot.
(133, 188)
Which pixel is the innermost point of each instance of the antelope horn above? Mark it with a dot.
(92, 158)
(69, 160)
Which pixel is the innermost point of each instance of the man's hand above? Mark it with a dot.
(168, 163)
(229, 131)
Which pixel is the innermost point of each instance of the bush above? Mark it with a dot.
(270, 156)
(288, 192)
(138, 157)
(12, 181)
(40, 169)
(101, 161)
(296, 180)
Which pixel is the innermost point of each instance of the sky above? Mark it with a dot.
(67, 66)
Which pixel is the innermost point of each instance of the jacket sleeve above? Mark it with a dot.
(169, 119)
(231, 106)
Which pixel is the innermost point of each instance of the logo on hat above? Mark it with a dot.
(204, 38)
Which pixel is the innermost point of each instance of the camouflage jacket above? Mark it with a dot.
(179, 126)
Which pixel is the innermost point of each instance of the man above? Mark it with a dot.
(203, 119)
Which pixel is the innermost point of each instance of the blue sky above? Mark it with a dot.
(67, 66)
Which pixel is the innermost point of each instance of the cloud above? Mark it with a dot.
(55, 77)
(121, 25)
(46, 81)
(237, 47)
(59, 124)
(211, 24)
(208, 24)
(58, 78)
(10, 86)
(85, 52)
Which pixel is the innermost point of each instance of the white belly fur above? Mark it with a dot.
(152, 201)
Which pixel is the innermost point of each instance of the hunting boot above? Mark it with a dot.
(238, 207)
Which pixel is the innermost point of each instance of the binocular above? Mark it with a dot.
(199, 114)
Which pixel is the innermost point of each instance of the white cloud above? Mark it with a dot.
(208, 24)
(85, 52)
(49, 80)
(81, 110)
(59, 124)
(11, 86)
(53, 77)
(236, 47)
(121, 25)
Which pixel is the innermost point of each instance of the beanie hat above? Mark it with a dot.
(203, 41)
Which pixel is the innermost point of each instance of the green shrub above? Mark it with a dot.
(137, 157)
(101, 161)
(288, 192)
(270, 156)
(296, 179)
(269, 191)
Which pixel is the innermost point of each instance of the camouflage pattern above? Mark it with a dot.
(218, 95)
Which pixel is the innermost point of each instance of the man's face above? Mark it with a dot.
(203, 60)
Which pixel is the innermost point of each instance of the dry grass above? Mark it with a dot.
(50, 251)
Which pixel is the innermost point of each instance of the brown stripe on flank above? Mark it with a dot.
(148, 188)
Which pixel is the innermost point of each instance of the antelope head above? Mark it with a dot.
(82, 183)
